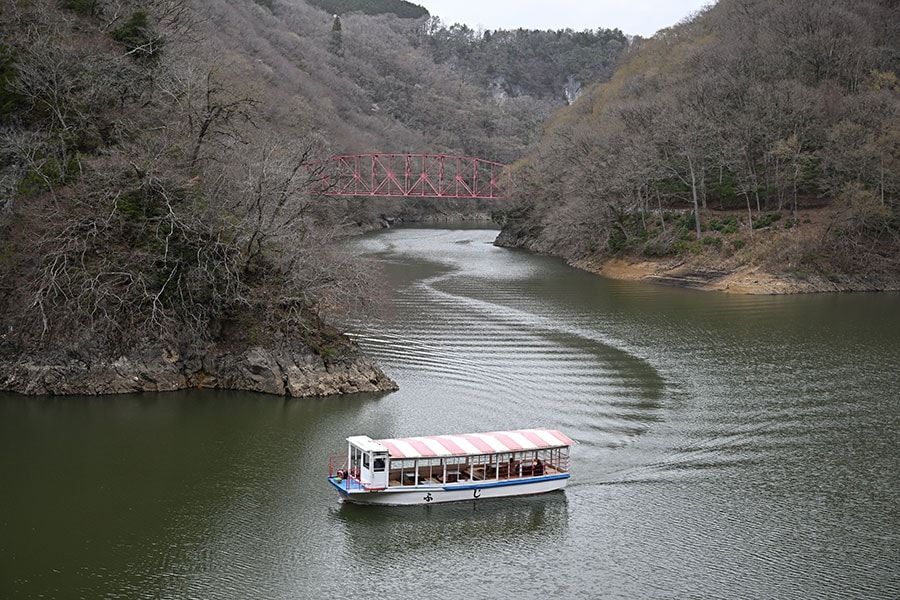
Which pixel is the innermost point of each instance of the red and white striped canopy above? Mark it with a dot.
(476, 443)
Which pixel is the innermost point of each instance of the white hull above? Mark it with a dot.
(453, 492)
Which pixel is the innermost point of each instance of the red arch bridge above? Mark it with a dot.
(412, 175)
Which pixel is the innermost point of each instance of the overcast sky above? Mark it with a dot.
(633, 17)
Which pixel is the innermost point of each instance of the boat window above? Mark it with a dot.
(378, 464)
(366, 460)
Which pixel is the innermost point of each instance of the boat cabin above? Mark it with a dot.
(367, 460)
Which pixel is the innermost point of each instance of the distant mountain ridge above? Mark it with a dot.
(399, 8)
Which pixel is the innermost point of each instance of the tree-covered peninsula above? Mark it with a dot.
(159, 228)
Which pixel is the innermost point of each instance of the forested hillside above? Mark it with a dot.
(142, 205)
(762, 133)
(156, 158)
(552, 65)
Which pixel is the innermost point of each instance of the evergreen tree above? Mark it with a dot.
(336, 45)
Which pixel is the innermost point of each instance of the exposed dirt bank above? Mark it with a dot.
(746, 280)
(701, 273)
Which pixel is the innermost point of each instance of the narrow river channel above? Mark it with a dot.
(730, 447)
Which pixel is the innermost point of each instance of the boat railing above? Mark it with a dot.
(336, 462)
(560, 463)
(338, 466)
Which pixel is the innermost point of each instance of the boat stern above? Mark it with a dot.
(340, 484)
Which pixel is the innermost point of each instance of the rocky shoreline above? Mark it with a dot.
(295, 372)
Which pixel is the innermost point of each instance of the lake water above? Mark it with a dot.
(730, 447)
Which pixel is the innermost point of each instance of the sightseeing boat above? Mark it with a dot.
(449, 468)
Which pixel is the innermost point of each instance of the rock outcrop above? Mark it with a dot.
(295, 372)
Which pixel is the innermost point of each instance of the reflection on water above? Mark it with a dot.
(453, 550)
(730, 447)
(374, 531)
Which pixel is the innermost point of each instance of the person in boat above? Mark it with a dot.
(537, 467)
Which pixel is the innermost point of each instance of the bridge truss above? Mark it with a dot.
(413, 175)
